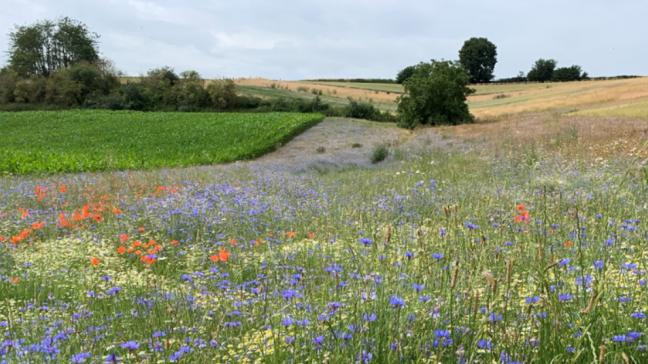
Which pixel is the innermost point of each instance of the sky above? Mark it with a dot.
(306, 39)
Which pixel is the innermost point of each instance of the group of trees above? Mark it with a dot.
(545, 70)
(57, 63)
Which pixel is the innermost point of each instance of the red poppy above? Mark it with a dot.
(94, 261)
(223, 255)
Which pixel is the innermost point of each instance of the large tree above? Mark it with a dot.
(45, 47)
(435, 94)
(542, 70)
(479, 56)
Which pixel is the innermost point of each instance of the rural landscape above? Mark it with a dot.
(443, 215)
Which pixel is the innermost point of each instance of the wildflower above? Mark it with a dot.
(365, 357)
(598, 265)
(532, 300)
(565, 297)
(38, 225)
(494, 317)
(318, 341)
(291, 234)
(310, 235)
(365, 241)
(121, 250)
(638, 315)
(94, 261)
(223, 255)
(418, 287)
(568, 244)
(24, 213)
(485, 344)
(563, 262)
(396, 301)
(437, 256)
(369, 317)
(130, 345)
(117, 211)
(80, 357)
(174, 242)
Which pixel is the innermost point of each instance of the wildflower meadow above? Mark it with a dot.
(439, 257)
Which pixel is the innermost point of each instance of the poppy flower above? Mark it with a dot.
(121, 250)
(233, 242)
(38, 225)
(568, 244)
(24, 213)
(117, 211)
(214, 258)
(3, 238)
(15, 280)
(520, 207)
(123, 237)
(223, 255)
(291, 234)
(62, 188)
(63, 221)
(94, 261)
(311, 235)
(98, 218)
(174, 242)
(141, 229)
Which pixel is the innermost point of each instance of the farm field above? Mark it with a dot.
(490, 242)
(489, 101)
(91, 140)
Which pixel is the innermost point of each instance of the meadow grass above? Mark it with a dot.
(443, 257)
(92, 140)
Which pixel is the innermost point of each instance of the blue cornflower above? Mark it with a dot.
(485, 344)
(638, 315)
(111, 359)
(396, 301)
(437, 256)
(80, 357)
(565, 297)
(290, 339)
(365, 241)
(442, 232)
(442, 333)
(619, 338)
(159, 334)
(114, 291)
(319, 340)
(532, 300)
(370, 317)
(130, 345)
(418, 287)
(633, 336)
(494, 317)
(563, 262)
(333, 268)
(365, 357)
(409, 255)
(290, 294)
(184, 349)
(471, 226)
(599, 264)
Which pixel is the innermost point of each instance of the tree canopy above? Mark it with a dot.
(46, 46)
(479, 56)
(542, 70)
(435, 94)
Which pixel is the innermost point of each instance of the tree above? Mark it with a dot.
(573, 73)
(45, 47)
(478, 56)
(404, 74)
(542, 70)
(435, 94)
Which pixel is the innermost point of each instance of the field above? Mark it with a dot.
(517, 239)
(489, 101)
(75, 141)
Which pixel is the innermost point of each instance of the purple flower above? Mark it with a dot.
(485, 344)
(418, 287)
(130, 345)
(494, 317)
(437, 256)
(599, 265)
(366, 241)
(565, 297)
(319, 340)
(80, 357)
(111, 359)
(638, 315)
(532, 300)
(396, 301)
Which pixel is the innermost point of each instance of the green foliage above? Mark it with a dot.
(573, 73)
(379, 154)
(45, 47)
(75, 141)
(542, 71)
(435, 94)
(479, 56)
(404, 74)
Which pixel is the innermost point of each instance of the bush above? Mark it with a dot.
(435, 94)
(30, 90)
(573, 73)
(8, 80)
(222, 94)
(379, 154)
(362, 110)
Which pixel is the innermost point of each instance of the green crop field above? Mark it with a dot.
(75, 141)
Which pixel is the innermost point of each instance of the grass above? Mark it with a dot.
(76, 141)
(445, 257)
(635, 111)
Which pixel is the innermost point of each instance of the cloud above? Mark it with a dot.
(291, 39)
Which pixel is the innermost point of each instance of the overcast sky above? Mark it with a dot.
(301, 39)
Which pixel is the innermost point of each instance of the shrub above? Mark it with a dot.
(404, 74)
(362, 110)
(379, 154)
(573, 73)
(435, 94)
(8, 80)
(222, 94)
